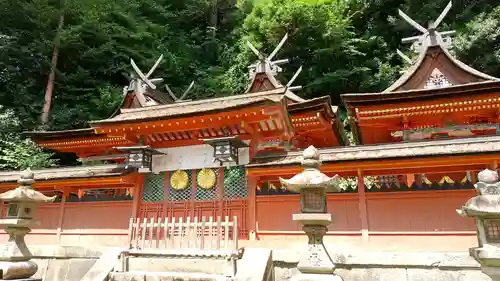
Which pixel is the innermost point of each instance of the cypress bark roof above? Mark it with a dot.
(389, 151)
(69, 173)
(196, 107)
(458, 73)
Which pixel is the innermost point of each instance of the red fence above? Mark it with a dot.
(398, 213)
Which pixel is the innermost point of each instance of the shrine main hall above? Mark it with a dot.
(409, 158)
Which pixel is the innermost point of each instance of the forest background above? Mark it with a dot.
(344, 46)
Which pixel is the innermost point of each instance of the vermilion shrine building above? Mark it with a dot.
(417, 149)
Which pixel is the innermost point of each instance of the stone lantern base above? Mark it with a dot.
(316, 263)
(15, 257)
(18, 270)
(489, 258)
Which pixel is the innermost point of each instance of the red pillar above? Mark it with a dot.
(252, 207)
(220, 194)
(137, 196)
(363, 213)
(61, 214)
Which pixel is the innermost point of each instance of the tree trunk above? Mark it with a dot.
(214, 17)
(53, 65)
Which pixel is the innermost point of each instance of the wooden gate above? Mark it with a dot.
(163, 197)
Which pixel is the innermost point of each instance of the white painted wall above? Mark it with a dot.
(192, 157)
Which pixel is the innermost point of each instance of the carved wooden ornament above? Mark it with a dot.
(179, 180)
(206, 179)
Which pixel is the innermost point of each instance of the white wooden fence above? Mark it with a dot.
(183, 234)
(184, 238)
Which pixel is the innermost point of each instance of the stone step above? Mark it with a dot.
(165, 276)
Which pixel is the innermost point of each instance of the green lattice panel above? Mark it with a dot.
(181, 195)
(235, 183)
(153, 188)
(207, 194)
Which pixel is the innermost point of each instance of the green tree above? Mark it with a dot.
(16, 152)
(321, 39)
(479, 42)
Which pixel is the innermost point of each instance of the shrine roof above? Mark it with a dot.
(458, 77)
(454, 68)
(196, 107)
(324, 101)
(129, 100)
(97, 171)
(420, 94)
(47, 135)
(389, 151)
(269, 82)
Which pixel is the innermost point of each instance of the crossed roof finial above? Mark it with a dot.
(145, 78)
(430, 36)
(265, 64)
(140, 80)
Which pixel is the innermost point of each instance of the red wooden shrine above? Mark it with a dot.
(412, 159)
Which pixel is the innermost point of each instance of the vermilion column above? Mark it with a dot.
(220, 194)
(137, 196)
(61, 214)
(252, 207)
(363, 213)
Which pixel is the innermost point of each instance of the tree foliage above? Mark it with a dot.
(18, 153)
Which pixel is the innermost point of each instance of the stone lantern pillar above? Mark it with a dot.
(316, 263)
(22, 202)
(485, 208)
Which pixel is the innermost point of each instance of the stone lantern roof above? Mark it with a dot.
(25, 192)
(487, 203)
(311, 177)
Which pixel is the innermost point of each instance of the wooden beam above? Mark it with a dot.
(249, 115)
(441, 103)
(426, 170)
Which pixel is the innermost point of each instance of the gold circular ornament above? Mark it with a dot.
(206, 178)
(179, 180)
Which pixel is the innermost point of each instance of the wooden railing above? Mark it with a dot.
(196, 238)
(199, 234)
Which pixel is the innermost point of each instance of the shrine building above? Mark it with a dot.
(411, 161)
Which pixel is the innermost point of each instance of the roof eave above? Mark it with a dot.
(478, 87)
(399, 151)
(108, 122)
(101, 171)
(47, 135)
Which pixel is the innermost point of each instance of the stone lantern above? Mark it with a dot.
(312, 185)
(485, 208)
(22, 202)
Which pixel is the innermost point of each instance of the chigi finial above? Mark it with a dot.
(140, 81)
(430, 36)
(266, 64)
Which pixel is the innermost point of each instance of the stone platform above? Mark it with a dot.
(57, 263)
(164, 276)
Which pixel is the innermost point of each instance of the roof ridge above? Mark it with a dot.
(234, 97)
